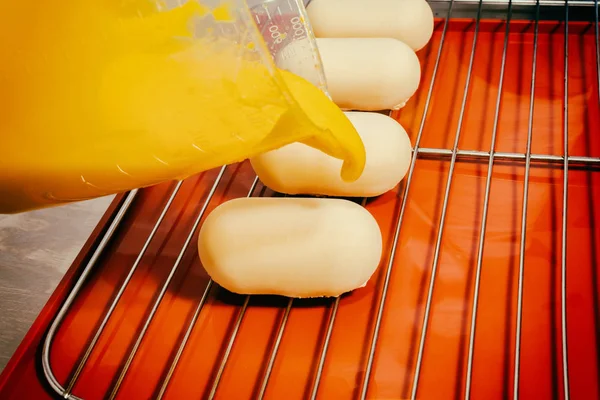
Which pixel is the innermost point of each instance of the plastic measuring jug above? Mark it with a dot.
(289, 37)
(105, 96)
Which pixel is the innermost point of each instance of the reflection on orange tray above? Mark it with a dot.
(444, 363)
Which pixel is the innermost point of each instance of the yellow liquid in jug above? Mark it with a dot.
(100, 97)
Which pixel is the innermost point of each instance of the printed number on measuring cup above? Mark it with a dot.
(275, 34)
(298, 27)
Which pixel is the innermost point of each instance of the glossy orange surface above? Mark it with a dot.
(444, 363)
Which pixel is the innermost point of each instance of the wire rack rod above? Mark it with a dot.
(46, 366)
(165, 286)
(192, 323)
(325, 347)
(66, 392)
(233, 337)
(563, 269)
(274, 351)
(317, 380)
(485, 155)
(234, 333)
(238, 323)
(519, 316)
(550, 10)
(119, 294)
(436, 254)
(597, 29)
(486, 202)
(186, 337)
(388, 272)
(330, 325)
(552, 3)
(265, 382)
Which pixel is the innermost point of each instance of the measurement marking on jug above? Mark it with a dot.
(298, 27)
(276, 34)
(267, 11)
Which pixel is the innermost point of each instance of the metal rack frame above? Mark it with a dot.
(505, 9)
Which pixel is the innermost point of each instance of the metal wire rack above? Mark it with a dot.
(474, 13)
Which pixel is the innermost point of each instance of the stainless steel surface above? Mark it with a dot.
(563, 267)
(163, 290)
(238, 323)
(398, 226)
(265, 382)
(88, 268)
(579, 10)
(524, 218)
(330, 324)
(36, 249)
(597, 33)
(65, 392)
(438, 243)
(119, 294)
(486, 204)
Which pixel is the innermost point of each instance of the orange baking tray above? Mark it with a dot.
(468, 299)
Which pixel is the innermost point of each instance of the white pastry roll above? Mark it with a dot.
(290, 246)
(300, 169)
(369, 74)
(410, 21)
